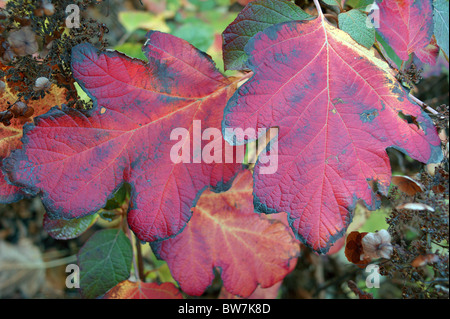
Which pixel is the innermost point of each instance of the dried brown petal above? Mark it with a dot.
(5, 117)
(354, 249)
(7, 56)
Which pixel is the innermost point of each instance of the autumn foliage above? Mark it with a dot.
(318, 73)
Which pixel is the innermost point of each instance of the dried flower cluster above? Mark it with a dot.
(35, 51)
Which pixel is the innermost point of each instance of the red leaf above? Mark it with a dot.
(143, 290)
(429, 54)
(78, 159)
(407, 185)
(336, 246)
(407, 26)
(337, 107)
(225, 233)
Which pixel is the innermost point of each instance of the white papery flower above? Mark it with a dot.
(377, 245)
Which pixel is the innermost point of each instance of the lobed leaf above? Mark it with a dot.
(259, 293)
(225, 233)
(335, 3)
(337, 107)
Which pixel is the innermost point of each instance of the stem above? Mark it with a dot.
(428, 242)
(423, 105)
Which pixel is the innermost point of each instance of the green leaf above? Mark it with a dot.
(354, 23)
(133, 50)
(104, 261)
(204, 5)
(440, 18)
(219, 18)
(62, 229)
